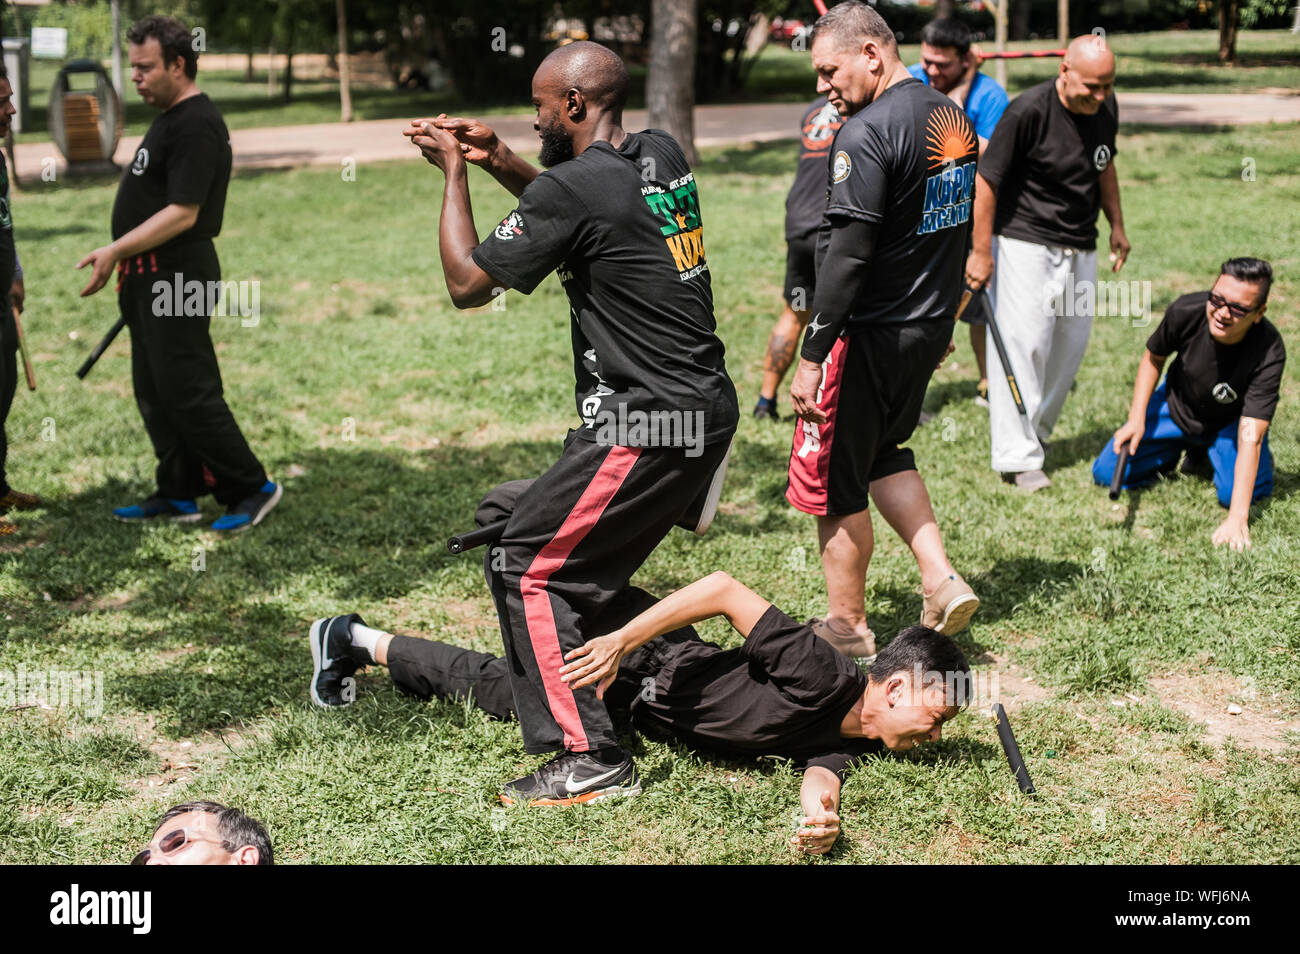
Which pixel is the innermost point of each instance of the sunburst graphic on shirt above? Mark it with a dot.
(949, 138)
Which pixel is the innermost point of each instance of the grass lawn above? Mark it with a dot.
(387, 414)
(1170, 62)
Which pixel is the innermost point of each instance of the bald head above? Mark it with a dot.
(1090, 52)
(595, 71)
(1087, 74)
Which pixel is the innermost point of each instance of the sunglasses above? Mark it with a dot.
(1237, 311)
(171, 843)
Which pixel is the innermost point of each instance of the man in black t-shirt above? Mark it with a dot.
(890, 253)
(783, 693)
(12, 293)
(803, 217)
(1217, 400)
(1048, 169)
(168, 209)
(618, 216)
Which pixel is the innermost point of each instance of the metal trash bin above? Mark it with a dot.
(85, 124)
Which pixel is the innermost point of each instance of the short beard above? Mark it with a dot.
(557, 146)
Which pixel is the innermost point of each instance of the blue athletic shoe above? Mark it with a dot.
(249, 512)
(181, 511)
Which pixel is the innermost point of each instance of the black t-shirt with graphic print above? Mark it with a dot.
(906, 163)
(184, 159)
(783, 693)
(623, 228)
(1210, 385)
(1046, 163)
(807, 199)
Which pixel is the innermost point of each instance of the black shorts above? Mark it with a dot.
(873, 383)
(800, 270)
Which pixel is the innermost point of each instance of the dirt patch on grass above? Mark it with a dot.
(1008, 683)
(1206, 698)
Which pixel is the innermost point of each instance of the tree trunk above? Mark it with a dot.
(248, 69)
(345, 83)
(945, 8)
(270, 66)
(288, 64)
(1229, 11)
(1063, 21)
(670, 84)
(1019, 19)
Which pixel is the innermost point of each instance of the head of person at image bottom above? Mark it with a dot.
(945, 50)
(855, 54)
(1238, 299)
(207, 833)
(576, 90)
(163, 60)
(917, 683)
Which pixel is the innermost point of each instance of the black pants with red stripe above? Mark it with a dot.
(574, 538)
(178, 388)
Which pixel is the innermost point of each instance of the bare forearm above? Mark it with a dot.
(511, 171)
(1148, 377)
(1110, 197)
(815, 781)
(457, 238)
(163, 225)
(986, 202)
(1250, 444)
(715, 595)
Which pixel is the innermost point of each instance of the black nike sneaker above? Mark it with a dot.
(335, 660)
(573, 778)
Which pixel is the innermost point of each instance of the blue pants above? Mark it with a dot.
(1164, 441)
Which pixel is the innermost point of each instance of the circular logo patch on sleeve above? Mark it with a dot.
(840, 166)
(1101, 158)
(511, 225)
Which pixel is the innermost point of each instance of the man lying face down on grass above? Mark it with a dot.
(785, 692)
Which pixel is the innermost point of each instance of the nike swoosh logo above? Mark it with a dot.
(571, 788)
(814, 327)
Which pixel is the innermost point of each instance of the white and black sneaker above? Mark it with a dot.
(335, 659)
(573, 778)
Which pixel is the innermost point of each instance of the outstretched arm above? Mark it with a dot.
(167, 223)
(717, 594)
(1234, 531)
(1119, 244)
(1144, 386)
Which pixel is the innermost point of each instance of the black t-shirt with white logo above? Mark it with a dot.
(906, 162)
(807, 199)
(184, 159)
(783, 693)
(1210, 385)
(1046, 163)
(623, 228)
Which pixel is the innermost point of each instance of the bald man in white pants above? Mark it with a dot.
(1047, 171)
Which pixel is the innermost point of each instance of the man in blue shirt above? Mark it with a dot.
(950, 65)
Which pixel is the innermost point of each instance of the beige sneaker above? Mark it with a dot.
(851, 645)
(950, 607)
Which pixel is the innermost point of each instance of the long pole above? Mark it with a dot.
(117, 47)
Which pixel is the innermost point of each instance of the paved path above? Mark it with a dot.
(381, 139)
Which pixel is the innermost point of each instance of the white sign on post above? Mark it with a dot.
(49, 42)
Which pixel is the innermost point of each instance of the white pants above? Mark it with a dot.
(1045, 338)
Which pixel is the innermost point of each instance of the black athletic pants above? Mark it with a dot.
(178, 386)
(8, 377)
(427, 668)
(575, 537)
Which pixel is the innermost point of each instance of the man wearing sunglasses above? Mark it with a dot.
(1217, 400)
(206, 833)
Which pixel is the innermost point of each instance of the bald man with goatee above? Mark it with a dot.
(617, 216)
(1048, 168)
